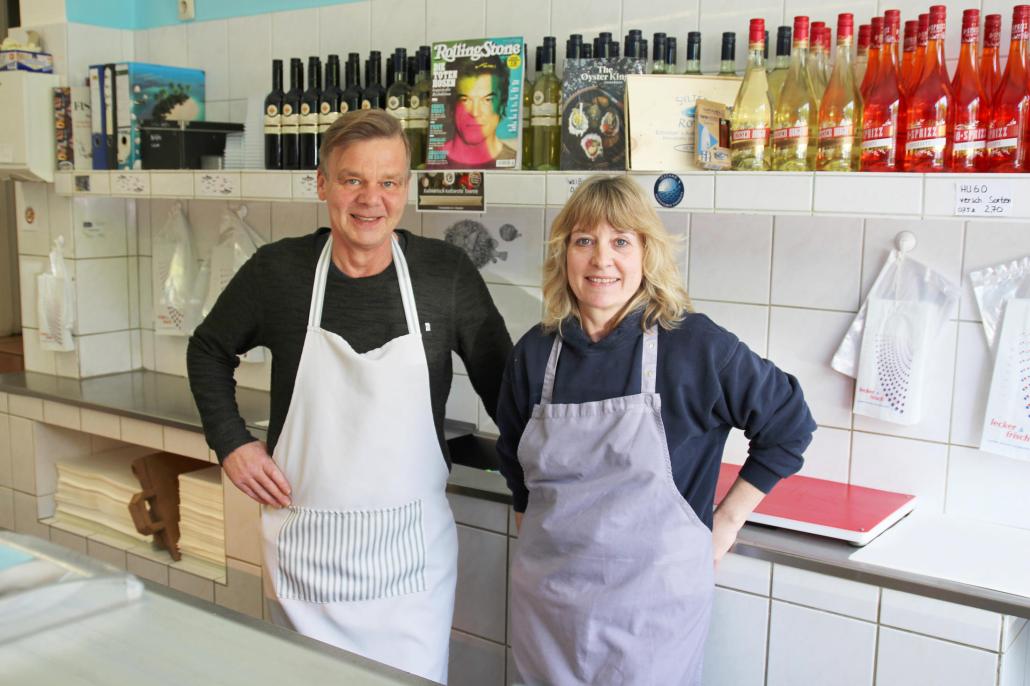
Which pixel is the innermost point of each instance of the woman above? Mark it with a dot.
(613, 417)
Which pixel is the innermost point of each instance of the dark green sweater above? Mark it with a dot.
(266, 304)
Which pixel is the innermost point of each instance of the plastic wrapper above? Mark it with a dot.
(993, 287)
(56, 303)
(1006, 427)
(175, 272)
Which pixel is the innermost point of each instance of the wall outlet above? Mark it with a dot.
(187, 10)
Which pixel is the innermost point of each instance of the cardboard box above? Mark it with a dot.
(712, 133)
(661, 117)
(24, 60)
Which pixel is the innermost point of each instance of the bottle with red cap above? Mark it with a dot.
(990, 64)
(796, 117)
(875, 45)
(1008, 138)
(922, 37)
(862, 52)
(972, 113)
(883, 128)
(840, 112)
(828, 50)
(818, 59)
(752, 111)
(908, 59)
(930, 106)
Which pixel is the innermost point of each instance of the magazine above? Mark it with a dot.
(475, 112)
(593, 120)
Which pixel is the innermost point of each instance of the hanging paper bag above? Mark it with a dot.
(993, 286)
(892, 366)
(174, 272)
(55, 303)
(1006, 428)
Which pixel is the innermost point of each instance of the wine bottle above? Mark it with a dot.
(309, 103)
(908, 60)
(418, 108)
(544, 110)
(613, 50)
(1008, 140)
(373, 96)
(659, 66)
(873, 57)
(930, 106)
(752, 113)
(527, 107)
(586, 51)
(291, 115)
(990, 65)
(728, 63)
(573, 50)
(778, 75)
(350, 99)
(817, 59)
(796, 117)
(694, 53)
(828, 51)
(670, 55)
(644, 54)
(398, 95)
(922, 33)
(274, 119)
(840, 111)
(862, 52)
(883, 130)
(630, 41)
(972, 112)
(332, 94)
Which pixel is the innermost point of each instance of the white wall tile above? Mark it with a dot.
(824, 592)
(7, 509)
(25, 406)
(988, 487)
(208, 49)
(345, 28)
(6, 461)
(29, 269)
(255, 374)
(133, 281)
(812, 647)
(959, 623)
(735, 450)
(744, 573)
(988, 244)
(455, 19)
(60, 414)
(143, 226)
(293, 219)
(802, 342)
(901, 465)
(167, 45)
(1015, 662)
(588, 17)
(669, 16)
(100, 227)
(397, 23)
(829, 455)
(521, 307)
(60, 219)
(170, 354)
(105, 353)
(23, 454)
(55, 41)
(37, 359)
(102, 295)
(936, 418)
(972, 383)
(294, 34)
(735, 650)
(473, 661)
(89, 44)
(904, 659)
(146, 293)
(462, 403)
(717, 16)
(482, 560)
(730, 257)
(147, 344)
(750, 323)
(530, 19)
(100, 423)
(678, 226)
(816, 262)
(250, 57)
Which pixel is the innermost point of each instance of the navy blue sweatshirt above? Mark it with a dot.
(709, 382)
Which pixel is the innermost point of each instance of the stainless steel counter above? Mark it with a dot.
(167, 400)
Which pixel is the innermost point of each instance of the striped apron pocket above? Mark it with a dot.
(328, 556)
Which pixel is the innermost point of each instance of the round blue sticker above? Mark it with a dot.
(668, 190)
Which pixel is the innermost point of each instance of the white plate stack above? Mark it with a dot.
(97, 490)
(201, 515)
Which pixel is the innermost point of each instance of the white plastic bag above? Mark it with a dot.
(892, 366)
(174, 272)
(993, 286)
(56, 303)
(904, 279)
(1006, 428)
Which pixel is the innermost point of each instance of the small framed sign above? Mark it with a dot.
(450, 191)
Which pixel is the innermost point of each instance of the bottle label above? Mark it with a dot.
(1003, 136)
(936, 31)
(273, 119)
(543, 109)
(326, 120)
(344, 108)
(418, 123)
(543, 121)
(414, 101)
(969, 138)
(842, 131)
(401, 113)
(418, 113)
(789, 134)
(366, 105)
(970, 34)
(758, 136)
(393, 102)
(932, 137)
(992, 39)
(538, 98)
(910, 44)
(271, 111)
(1021, 31)
(308, 119)
(290, 119)
(325, 108)
(878, 137)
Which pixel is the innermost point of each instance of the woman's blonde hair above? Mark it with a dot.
(619, 202)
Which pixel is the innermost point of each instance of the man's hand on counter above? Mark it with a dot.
(251, 468)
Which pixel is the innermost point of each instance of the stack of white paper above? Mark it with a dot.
(98, 489)
(201, 515)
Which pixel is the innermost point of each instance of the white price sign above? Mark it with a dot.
(991, 198)
(574, 182)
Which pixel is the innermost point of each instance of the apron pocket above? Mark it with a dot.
(328, 556)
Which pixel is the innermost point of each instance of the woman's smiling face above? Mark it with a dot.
(605, 269)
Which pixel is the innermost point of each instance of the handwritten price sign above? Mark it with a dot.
(984, 198)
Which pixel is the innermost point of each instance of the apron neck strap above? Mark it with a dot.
(648, 365)
(403, 280)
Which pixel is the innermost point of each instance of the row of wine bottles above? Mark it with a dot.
(901, 112)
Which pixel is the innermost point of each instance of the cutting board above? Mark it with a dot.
(855, 514)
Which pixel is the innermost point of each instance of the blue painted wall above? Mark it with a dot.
(148, 14)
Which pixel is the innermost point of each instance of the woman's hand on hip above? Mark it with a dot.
(254, 472)
(731, 514)
(724, 535)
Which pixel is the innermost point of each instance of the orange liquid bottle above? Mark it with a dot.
(908, 60)
(929, 107)
(922, 33)
(840, 112)
(990, 64)
(972, 113)
(1008, 138)
(862, 53)
(883, 127)
(875, 45)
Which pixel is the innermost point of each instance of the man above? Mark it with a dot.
(478, 104)
(361, 320)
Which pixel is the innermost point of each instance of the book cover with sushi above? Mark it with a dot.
(476, 106)
(593, 121)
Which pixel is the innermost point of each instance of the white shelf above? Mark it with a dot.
(863, 194)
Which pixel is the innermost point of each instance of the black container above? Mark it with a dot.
(181, 144)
